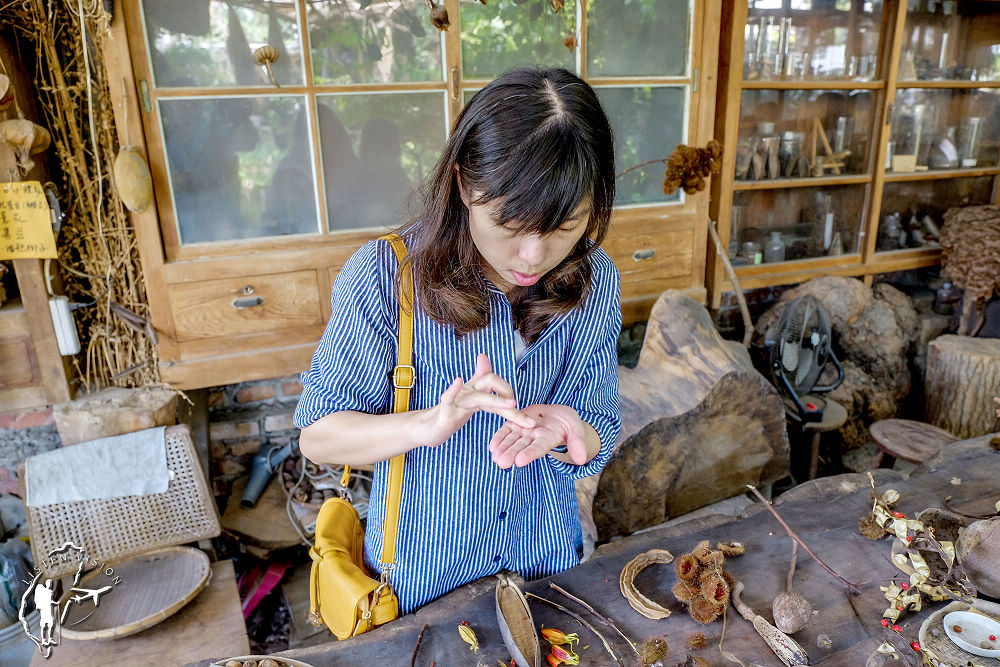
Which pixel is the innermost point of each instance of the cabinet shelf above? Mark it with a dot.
(812, 84)
(952, 83)
(936, 174)
(815, 182)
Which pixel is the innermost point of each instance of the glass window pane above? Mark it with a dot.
(648, 123)
(913, 213)
(382, 42)
(951, 40)
(240, 167)
(795, 223)
(376, 150)
(945, 129)
(803, 43)
(504, 33)
(779, 137)
(637, 37)
(211, 43)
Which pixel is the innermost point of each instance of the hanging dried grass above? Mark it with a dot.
(97, 246)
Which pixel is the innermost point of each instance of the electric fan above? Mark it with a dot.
(799, 351)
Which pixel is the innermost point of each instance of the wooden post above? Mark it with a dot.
(963, 375)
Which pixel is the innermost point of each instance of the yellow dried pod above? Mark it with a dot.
(469, 637)
(132, 179)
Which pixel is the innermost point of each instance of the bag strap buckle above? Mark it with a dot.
(402, 384)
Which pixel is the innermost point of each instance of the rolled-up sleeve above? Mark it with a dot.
(595, 397)
(350, 368)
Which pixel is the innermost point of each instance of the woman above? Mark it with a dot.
(517, 315)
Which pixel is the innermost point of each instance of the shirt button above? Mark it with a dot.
(496, 559)
(503, 515)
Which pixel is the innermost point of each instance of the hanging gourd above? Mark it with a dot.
(132, 179)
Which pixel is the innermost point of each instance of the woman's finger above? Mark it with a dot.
(451, 393)
(499, 436)
(503, 445)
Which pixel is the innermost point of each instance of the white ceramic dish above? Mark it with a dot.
(975, 633)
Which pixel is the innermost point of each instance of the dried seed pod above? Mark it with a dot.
(439, 16)
(653, 651)
(6, 92)
(234, 663)
(701, 550)
(704, 610)
(132, 179)
(570, 42)
(266, 55)
(684, 591)
(731, 549)
(637, 600)
(729, 580)
(697, 641)
(686, 567)
(713, 559)
(557, 5)
(871, 528)
(791, 611)
(713, 587)
(890, 497)
(787, 649)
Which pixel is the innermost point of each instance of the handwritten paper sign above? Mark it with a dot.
(25, 222)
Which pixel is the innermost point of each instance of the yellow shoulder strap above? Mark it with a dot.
(403, 378)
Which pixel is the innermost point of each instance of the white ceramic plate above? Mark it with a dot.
(975, 633)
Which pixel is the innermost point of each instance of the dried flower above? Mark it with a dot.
(570, 42)
(468, 636)
(553, 636)
(686, 567)
(557, 5)
(563, 656)
(697, 641)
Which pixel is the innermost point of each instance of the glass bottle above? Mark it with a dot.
(774, 251)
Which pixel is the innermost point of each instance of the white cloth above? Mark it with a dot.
(519, 346)
(132, 464)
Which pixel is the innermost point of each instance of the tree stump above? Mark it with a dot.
(963, 376)
(698, 423)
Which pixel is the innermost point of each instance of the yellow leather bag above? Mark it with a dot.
(342, 593)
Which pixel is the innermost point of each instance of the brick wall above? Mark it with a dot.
(245, 417)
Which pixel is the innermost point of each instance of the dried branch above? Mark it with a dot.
(420, 638)
(606, 621)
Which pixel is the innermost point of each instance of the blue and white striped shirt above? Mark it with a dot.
(462, 517)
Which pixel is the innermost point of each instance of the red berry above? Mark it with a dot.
(915, 645)
(909, 538)
(899, 608)
(897, 628)
(899, 515)
(993, 638)
(904, 585)
(885, 622)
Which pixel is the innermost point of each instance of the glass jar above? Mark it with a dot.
(774, 251)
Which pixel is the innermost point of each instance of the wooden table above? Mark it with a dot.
(824, 512)
(210, 625)
(909, 440)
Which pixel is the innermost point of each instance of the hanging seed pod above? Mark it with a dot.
(557, 5)
(266, 55)
(570, 42)
(637, 600)
(439, 16)
(132, 179)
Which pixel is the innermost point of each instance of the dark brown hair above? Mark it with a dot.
(538, 141)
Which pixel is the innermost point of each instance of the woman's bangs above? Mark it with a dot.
(542, 185)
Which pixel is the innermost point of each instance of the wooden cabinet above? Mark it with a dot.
(851, 126)
(266, 183)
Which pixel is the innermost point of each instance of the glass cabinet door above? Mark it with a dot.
(812, 39)
(950, 40)
(913, 212)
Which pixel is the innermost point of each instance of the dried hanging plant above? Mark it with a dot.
(557, 5)
(96, 243)
(266, 56)
(570, 42)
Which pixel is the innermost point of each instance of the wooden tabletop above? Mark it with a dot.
(209, 626)
(909, 440)
(824, 512)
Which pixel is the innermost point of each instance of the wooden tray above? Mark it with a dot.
(947, 650)
(152, 587)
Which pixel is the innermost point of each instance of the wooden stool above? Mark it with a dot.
(834, 416)
(908, 440)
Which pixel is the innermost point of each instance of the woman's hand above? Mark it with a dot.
(557, 425)
(485, 391)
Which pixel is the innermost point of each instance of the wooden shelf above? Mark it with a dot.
(951, 83)
(816, 182)
(812, 84)
(936, 174)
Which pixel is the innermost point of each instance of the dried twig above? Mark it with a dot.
(590, 627)
(791, 533)
(606, 621)
(420, 638)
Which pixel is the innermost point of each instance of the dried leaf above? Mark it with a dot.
(637, 600)
(468, 636)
